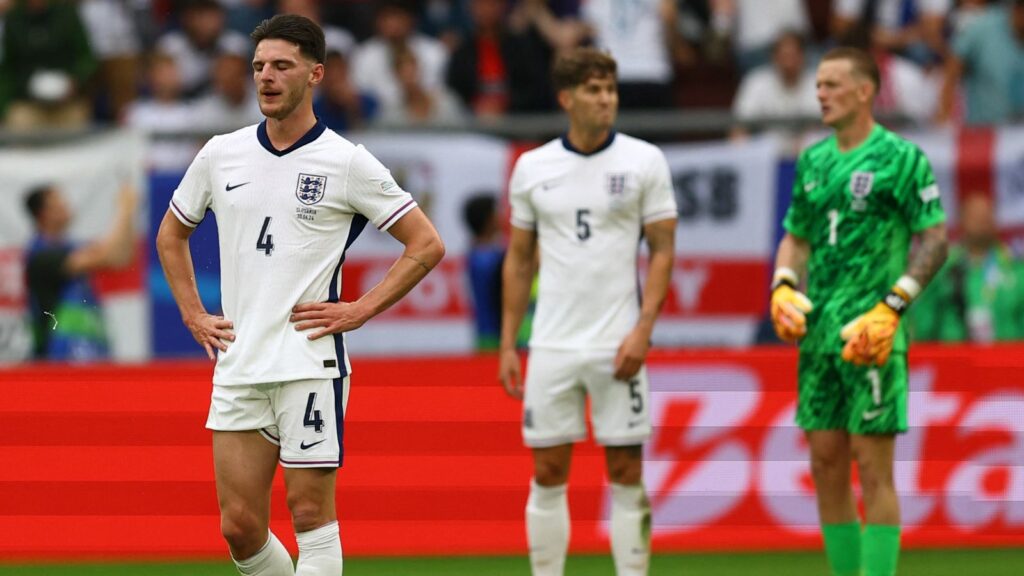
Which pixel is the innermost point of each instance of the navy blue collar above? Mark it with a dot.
(313, 134)
(608, 142)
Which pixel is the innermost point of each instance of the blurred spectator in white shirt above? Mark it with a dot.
(115, 42)
(754, 25)
(418, 105)
(782, 90)
(201, 38)
(232, 102)
(164, 112)
(372, 63)
(643, 37)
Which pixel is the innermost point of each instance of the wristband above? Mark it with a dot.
(897, 300)
(785, 276)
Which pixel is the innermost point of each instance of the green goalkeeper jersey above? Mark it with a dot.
(858, 210)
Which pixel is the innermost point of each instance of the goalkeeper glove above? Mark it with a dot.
(789, 306)
(870, 336)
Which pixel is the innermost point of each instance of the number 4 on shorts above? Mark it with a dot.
(312, 418)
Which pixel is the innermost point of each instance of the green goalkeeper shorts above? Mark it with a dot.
(837, 395)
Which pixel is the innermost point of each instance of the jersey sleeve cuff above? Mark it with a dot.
(523, 224)
(928, 223)
(182, 217)
(396, 215)
(667, 214)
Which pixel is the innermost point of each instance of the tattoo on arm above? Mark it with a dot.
(420, 262)
(928, 255)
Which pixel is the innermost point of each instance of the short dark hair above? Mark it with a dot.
(579, 65)
(478, 212)
(35, 200)
(861, 61)
(298, 30)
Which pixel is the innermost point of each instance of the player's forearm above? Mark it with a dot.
(176, 260)
(418, 259)
(517, 277)
(793, 253)
(928, 255)
(659, 276)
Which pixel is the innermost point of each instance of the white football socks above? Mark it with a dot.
(631, 529)
(547, 528)
(272, 560)
(319, 551)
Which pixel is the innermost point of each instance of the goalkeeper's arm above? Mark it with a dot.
(870, 336)
(789, 306)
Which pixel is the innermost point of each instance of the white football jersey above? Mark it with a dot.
(284, 221)
(589, 211)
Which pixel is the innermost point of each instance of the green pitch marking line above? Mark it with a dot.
(994, 562)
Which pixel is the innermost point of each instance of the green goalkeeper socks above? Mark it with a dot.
(881, 549)
(842, 548)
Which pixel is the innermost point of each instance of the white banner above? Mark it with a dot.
(726, 197)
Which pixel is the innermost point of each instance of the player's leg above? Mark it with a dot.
(620, 414)
(547, 510)
(311, 502)
(244, 464)
(310, 415)
(631, 511)
(879, 413)
(822, 412)
(553, 418)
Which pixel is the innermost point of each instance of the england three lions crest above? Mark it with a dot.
(310, 188)
(860, 188)
(616, 185)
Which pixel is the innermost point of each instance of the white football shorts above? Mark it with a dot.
(306, 418)
(558, 383)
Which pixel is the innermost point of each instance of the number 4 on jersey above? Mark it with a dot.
(266, 241)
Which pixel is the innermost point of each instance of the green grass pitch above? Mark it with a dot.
(988, 562)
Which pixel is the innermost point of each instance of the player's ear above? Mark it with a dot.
(565, 98)
(316, 75)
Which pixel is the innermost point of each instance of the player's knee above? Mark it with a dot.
(243, 531)
(307, 513)
(626, 472)
(825, 465)
(550, 473)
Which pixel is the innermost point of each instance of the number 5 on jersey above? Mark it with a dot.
(266, 241)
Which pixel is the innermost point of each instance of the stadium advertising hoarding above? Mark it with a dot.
(435, 465)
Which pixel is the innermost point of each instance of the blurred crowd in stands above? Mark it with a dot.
(172, 65)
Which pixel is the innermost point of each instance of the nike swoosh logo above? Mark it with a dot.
(304, 446)
(228, 187)
(634, 423)
(871, 414)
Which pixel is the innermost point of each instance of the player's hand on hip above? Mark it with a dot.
(870, 336)
(631, 355)
(212, 332)
(510, 373)
(329, 317)
(789, 310)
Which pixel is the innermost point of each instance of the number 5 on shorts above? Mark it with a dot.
(636, 400)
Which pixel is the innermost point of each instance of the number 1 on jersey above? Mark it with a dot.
(833, 227)
(266, 241)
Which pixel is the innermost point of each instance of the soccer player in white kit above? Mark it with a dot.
(585, 199)
(289, 196)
